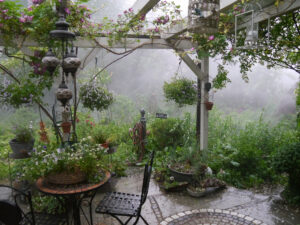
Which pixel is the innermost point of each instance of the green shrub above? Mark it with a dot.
(287, 160)
(243, 153)
(167, 133)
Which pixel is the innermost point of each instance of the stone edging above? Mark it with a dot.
(175, 217)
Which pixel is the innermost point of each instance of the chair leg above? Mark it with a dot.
(120, 221)
(137, 220)
(144, 220)
(91, 214)
(127, 221)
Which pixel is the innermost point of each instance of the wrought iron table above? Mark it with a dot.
(74, 194)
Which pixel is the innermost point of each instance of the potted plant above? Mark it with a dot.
(187, 164)
(81, 162)
(23, 142)
(205, 186)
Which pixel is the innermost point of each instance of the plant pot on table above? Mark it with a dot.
(66, 177)
(21, 150)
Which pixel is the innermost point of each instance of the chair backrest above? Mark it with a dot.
(146, 180)
(14, 207)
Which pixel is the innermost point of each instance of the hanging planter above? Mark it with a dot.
(209, 105)
(66, 127)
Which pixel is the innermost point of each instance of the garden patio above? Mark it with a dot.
(80, 145)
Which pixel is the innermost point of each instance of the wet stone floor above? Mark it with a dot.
(230, 206)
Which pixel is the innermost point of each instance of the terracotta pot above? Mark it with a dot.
(209, 105)
(66, 127)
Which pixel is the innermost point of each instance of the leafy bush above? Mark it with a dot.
(287, 160)
(167, 133)
(242, 154)
(181, 90)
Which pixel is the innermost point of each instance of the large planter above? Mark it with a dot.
(66, 177)
(180, 176)
(21, 150)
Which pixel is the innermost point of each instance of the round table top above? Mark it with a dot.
(73, 189)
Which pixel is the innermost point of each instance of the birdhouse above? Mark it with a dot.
(204, 16)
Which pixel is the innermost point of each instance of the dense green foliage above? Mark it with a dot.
(242, 153)
(287, 160)
(167, 133)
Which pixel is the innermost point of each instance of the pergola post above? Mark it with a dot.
(203, 110)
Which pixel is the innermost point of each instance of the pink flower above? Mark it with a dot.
(156, 29)
(22, 20)
(130, 10)
(1, 0)
(211, 38)
(29, 18)
(67, 10)
(29, 9)
(5, 10)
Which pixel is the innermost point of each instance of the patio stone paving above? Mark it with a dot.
(230, 206)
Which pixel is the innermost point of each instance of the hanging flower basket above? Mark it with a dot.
(67, 177)
(209, 105)
(66, 127)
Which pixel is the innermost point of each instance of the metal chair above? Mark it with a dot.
(12, 214)
(124, 204)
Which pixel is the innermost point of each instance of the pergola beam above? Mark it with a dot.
(269, 10)
(178, 29)
(128, 43)
(142, 7)
(273, 11)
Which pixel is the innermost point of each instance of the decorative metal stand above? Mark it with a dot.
(69, 63)
(139, 135)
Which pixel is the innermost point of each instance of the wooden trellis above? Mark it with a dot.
(170, 40)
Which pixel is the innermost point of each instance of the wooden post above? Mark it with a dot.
(203, 110)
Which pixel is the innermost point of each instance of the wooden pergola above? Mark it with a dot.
(171, 40)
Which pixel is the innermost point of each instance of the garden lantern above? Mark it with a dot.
(250, 12)
(63, 94)
(71, 63)
(204, 15)
(50, 61)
